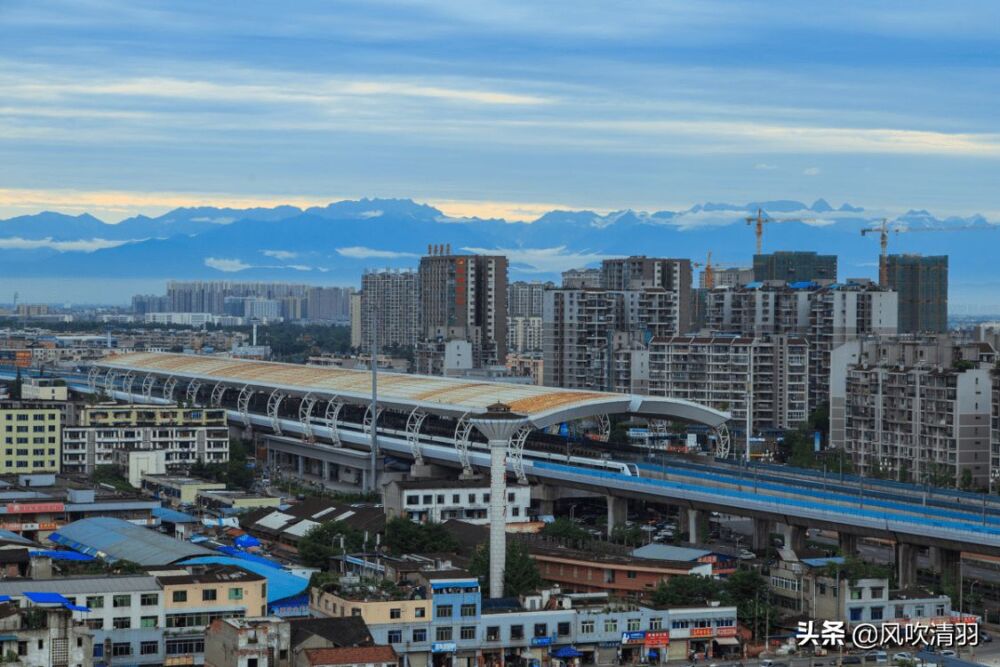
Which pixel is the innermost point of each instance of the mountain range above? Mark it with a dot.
(336, 243)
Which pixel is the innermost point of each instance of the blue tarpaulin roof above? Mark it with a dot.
(4, 598)
(246, 541)
(115, 539)
(236, 553)
(173, 516)
(61, 555)
(280, 584)
(46, 598)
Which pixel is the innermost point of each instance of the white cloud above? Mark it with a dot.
(280, 254)
(371, 214)
(79, 245)
(543, 260)
(361, 252)
(763, 166)
(227, 265)
(812, 171)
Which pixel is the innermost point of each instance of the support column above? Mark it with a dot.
(301, 464)
(546, 507)
(906, 564)
(848, 544)
(617, 513)
(326, 472)
(498, 424)
(761, 534)
(694, 522)
(949, 564)
(794, 537)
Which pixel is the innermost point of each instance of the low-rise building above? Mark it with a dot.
(44, 389)
(360, 656)
(436, 501)
(241, 642)
(31, 437)
(227, 502)
(823, 588)
(185, 435)
(283, 528)
(178, 490)
(44, 634)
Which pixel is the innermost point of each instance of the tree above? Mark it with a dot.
(520, 574)
(324, 541)
(565, 529)
(965, 482)
(627, 535)
(402, 536)
(748, 591)
(687, 589)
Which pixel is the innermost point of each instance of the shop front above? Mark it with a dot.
(726, 643)
(443, 654)
(633, 647)
(657, 643)
(700, 643)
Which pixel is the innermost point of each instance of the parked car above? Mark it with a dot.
(902, 656)
(948, 653)
(878, 657)
(746, 554)
(851, 660)
(985, 637)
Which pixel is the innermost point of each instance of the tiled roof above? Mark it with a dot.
(350, 655)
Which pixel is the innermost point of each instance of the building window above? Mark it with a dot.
(493, 633)
(121, 648)
(147, 622)
(468, 610)
(122, 623)
(149, 599)
(235, 593)
(655, 623)
(149, 648)
(395, 636)
(877, 592)
(395, 613)
(444, 611)
(856, 613)
(634, 624)
(541, 629)
(443, 634)
(95, 601)
(587, 627)
(419, 612)
(121, 601)
(468, 632)
(412, 500)
(209, 594)
(420, 635)
(630, 574)
(180, 596)
(472, 497)
(517, 632)
(610, 625)
(856, 593)
(562, 629)
(876, 614)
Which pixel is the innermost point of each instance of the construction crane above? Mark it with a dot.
(883, 230)
(761, 218)
(883, 265)
(708, 270)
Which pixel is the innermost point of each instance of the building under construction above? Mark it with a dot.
(922, 285)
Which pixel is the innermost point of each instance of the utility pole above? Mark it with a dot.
(373, 476)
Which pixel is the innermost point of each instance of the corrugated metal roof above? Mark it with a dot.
(115, 539)
(280, 583)
(669, 552)
(301, 528)
(451, 396)
(80, 585)
(274, 521)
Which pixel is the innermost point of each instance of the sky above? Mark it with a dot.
(498, 108)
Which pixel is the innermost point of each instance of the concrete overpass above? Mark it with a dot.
(430, 420)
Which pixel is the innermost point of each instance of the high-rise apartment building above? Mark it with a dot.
(356, 320)
(591, 337)
(639, 272)
(729, 277)
(393, 297)
(794, 266)
(581, 279)
(329, 304)
(715, 371)
(825, 315)
(464, 297)
(524, 299)
(922, 285)
(524, 334)
(914, 408)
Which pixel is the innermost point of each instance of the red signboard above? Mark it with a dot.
(726, 631)
(701, 632)
(657, 638)
(28, 508)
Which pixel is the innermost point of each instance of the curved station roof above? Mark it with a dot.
(543, 406)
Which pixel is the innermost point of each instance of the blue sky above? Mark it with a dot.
(498, 108)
